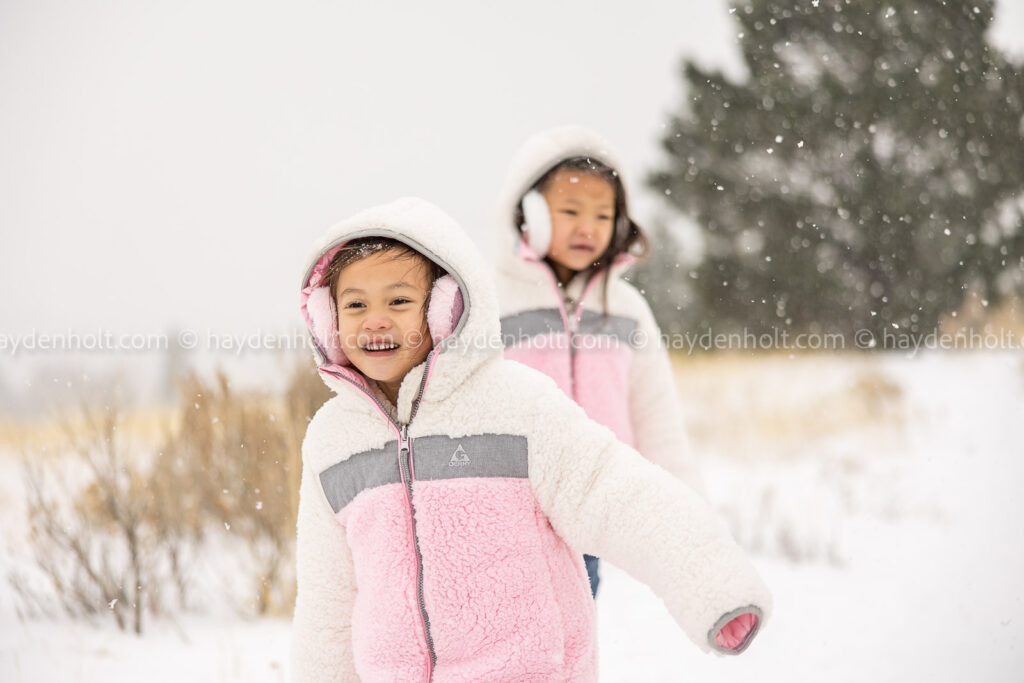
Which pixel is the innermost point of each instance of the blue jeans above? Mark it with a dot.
(595, 578)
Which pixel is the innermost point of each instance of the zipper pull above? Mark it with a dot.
(403, 454)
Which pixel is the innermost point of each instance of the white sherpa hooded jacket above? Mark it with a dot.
(610, 359)
(445, 544)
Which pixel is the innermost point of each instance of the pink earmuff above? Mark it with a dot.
(323, 321)
(445, 309)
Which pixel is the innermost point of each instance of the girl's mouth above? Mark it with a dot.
(581, 247)
(381, 348)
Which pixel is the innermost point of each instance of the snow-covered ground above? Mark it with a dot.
(880, 496)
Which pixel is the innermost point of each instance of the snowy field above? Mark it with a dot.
(880, 497)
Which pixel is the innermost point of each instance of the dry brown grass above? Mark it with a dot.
(44, 436)
(976, 315)
(792, 445)
(735, 403)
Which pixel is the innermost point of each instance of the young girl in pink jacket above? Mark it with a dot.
(447, 494)
(564, 238)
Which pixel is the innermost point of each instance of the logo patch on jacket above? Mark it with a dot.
(437, 458)
(459, 458)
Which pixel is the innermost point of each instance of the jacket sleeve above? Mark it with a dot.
(655, 414)
(321, 647)
(603, 498)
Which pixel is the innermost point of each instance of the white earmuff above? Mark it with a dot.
(537, 222)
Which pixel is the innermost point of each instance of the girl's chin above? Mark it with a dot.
(577, 259)
(579, 264)
(383, 377)
(385, 366)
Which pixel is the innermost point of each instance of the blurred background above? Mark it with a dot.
(835, 193)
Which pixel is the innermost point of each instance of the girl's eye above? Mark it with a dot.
(602, 217)
(354, 304)
(399, 301)
(571, 212)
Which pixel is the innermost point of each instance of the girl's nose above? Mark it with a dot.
(377, 322)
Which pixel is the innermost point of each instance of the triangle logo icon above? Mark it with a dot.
(459, 458)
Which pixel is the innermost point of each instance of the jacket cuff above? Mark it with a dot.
(734, 631)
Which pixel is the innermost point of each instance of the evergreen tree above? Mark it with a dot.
(868, 172)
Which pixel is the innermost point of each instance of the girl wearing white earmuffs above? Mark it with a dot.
(564, 238)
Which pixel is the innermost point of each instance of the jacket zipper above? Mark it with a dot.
(576, 317)
(405, 464)
(565, 320)
(406, 470)
(571, 320)
(573, 325)
(407, 458)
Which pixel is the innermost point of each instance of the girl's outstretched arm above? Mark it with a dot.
(321, 648)
(603, 498)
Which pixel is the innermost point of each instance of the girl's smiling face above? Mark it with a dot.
(582, 209)
(382, 316)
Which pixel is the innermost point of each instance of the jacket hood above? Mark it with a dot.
(463, 312)
(534, 158)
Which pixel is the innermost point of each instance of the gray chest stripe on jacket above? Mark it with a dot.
(518, 328)
(522, 326)
(345, 480)
(482, 455)
(434, 458)
(617, 326)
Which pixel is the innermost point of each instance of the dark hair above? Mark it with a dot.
(364, 247)
(627, 236)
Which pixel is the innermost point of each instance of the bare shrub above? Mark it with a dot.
(235, 463)
(91, 538)
(112, 521)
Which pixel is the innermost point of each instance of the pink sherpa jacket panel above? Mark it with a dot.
(391, 638)
(442, 541)
(611, 361)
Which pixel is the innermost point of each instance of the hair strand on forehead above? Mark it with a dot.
(365, 247)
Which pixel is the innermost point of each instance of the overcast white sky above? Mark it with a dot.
(170, 162)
